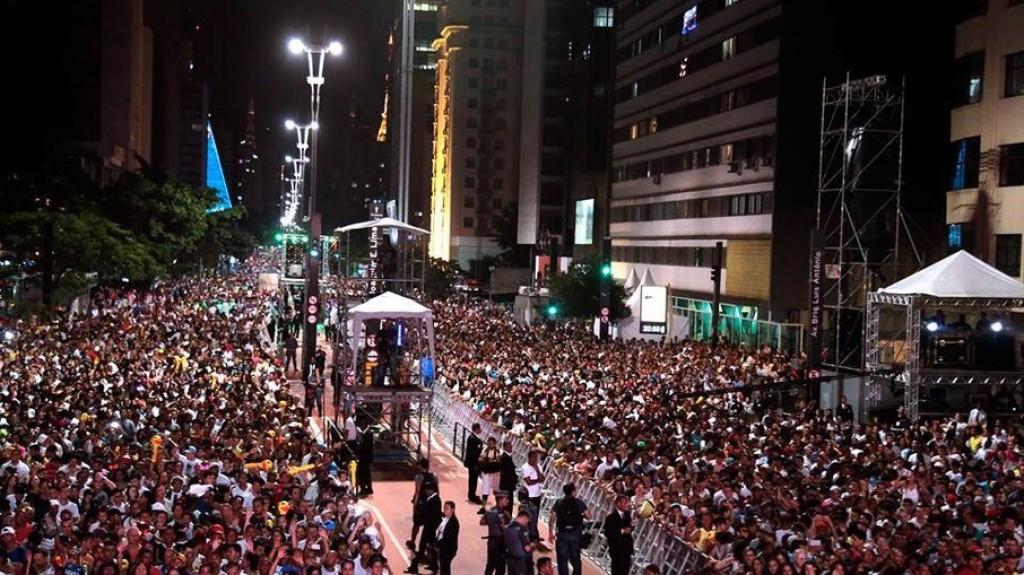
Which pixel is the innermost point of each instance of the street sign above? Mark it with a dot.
(604, 319)
(371, 340)
(605, 311)
(313, 300)
(311, 310)
(372, 356)
(311, 319)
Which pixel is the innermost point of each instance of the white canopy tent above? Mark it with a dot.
(893, 329)
(631, 281)
(646, 279)
(390, 305)
(381, 223)
(960, 275)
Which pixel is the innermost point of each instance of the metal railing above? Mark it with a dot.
(652, 542)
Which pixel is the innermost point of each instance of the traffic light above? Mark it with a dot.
(714, 274)
(314, 252)
(552, 310)
(278, 238)
(606, 270)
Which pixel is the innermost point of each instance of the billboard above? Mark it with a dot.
(654, 310)
(584, 230)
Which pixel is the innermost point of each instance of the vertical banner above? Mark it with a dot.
(373, 271)
(816, 295)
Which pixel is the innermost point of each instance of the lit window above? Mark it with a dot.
(682, 67)
(604, 17)
(730, 2)
(634, 131)
(689, 21)
(652, 125)
(728, 48)
(725, 154)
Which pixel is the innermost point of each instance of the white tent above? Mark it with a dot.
(381, 223)
(631, 281)
(960, 275)
(390, 305)
(647, 279)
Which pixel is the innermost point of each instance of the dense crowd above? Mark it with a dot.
(759, 491)
(155, 434)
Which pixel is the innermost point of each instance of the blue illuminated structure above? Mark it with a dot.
(215, 173)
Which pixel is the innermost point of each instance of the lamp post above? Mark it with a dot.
(315, 57)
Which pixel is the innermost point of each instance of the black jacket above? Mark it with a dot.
(430, 511)
(509, 474)
(448, 544)
(619, 543)
(474, 447)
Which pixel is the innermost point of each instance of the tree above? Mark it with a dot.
(440, 277)
(83, 247)
(578, 291)
(170, 217)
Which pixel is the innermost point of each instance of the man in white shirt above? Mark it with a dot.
(16, 464)
(533, 480)
(243, 489)
(606, 467)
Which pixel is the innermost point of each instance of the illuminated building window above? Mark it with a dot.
(728, 48)
(604, 17)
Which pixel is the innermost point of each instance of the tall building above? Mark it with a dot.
(590, 50)
(183, 135)
(249, 190)
(986, 188)
(410, 110)
(716, 136)
(476, 142)
(363, 168)
(521, 117)
(102, 81)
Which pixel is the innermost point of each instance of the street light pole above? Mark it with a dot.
(315, 56)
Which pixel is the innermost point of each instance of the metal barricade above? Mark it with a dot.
(652, 542)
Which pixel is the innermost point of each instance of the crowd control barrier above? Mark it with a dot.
(453, 417)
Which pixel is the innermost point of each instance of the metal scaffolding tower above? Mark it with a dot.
(860, 225)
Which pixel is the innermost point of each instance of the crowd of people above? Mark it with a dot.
(669, 427)
(155, 433)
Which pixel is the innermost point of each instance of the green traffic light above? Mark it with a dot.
(606, 270)
(552, 309)
(278, 238)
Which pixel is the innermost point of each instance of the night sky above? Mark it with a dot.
(243, 53)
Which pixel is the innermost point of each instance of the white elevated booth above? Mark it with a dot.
(392, 341)
(397, 258)
(911, 337)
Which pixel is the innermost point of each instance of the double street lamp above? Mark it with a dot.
(307, 146)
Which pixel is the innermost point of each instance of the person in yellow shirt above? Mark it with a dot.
(976, 440)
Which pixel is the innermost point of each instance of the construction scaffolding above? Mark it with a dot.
(862, 238)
